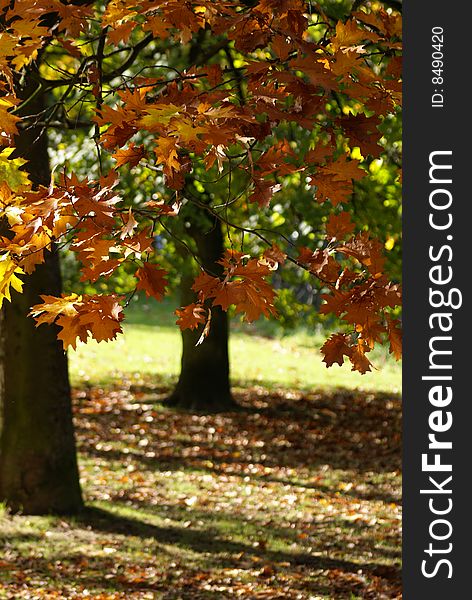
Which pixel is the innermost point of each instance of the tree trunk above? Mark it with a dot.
(204, 384)
(38, 465)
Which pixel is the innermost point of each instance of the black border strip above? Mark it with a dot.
(441, 127)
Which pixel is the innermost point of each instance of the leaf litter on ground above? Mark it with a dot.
(295, 496)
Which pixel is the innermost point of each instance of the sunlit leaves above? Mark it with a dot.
(80, 317)
(273, 103)
(9, 279)
(243, 285)
(129, 156)
(190, 316)
(11, 174)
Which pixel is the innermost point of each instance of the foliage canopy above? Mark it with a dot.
(181, 97)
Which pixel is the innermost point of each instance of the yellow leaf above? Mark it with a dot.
(8, 278)
(159, 115)
(10, 171)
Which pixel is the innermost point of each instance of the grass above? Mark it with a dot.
(295, 497)
(151, 347)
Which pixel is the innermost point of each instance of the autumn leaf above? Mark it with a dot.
(395, 337)
(151, 279)
(364, 133)
(101, 316)
(79, 317)
(334, 180)
(314, 68)
(185, 130)
(9, 279)
(90, 201)
(371, 329)
(129, 156)
(122, 32)
(335, 349)
(274, 256)
(8, 122)
(159, 116)
(320, 263)
(350, 34)
(344, 169)
(244, 285)
(264, 189)
(359, 360)
(117, 135)
(166, 151)
(366, 250)
(339, 226)
(12, 175)
(344, 63)
(190, 316)
(328, 188)
(106, 268)
(52, 307)
(335, 302)
(206, 285)
(129, 225)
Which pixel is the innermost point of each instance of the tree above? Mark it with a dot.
(300, 97)
(38, 466)
(204, 382)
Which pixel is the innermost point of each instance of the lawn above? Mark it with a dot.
(259, 356)
(296, 496)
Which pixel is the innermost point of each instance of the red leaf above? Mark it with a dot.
(190, 316)
(151, 280)
(335, 349)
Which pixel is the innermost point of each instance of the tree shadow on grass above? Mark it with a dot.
(344, 429)
(202, 553)
(208, 542)
(327, 530)
(104, 576)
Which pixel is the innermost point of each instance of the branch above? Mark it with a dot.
(131, 58)
(80, 77)
(238, 75)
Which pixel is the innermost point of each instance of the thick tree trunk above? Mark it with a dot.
(204, 383)
(38, 465)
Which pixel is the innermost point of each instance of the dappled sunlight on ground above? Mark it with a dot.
(295, 496)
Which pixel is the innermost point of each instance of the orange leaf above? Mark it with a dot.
(81, 316)
(334, 349)
(190, 316)
(52, 307)
(101, 315)
(395, 337)
(359, 360)
(152, 280)
(129, 156)
(350, 34)
(264, 189)
(338, 226)
(366, 250)
(166, 153)
(274, 256)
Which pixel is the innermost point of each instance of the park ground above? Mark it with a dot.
(295, 496)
